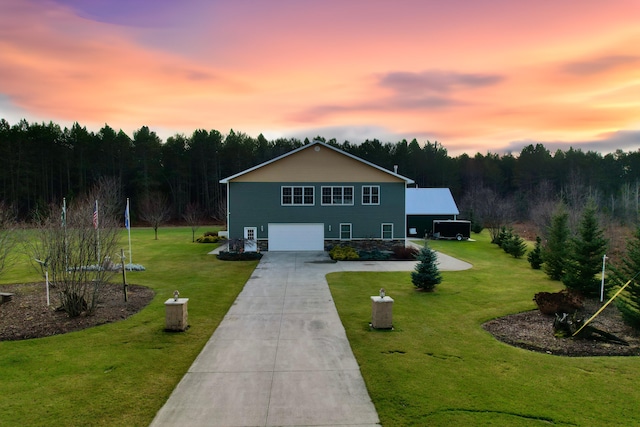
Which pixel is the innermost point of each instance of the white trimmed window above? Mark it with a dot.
(387, 231)
(337, 195)
(370, 194)
(345, 231)
(297, 196)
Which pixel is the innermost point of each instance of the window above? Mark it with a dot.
(345, 231)
(387, 231)
(297, 196)
(370, 194)
(337, 195)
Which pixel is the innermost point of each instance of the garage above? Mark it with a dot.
(296, 237)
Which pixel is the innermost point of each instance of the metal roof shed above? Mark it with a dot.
(423, 205)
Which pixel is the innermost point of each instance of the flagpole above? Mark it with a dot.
(64, 227)
(127, 218)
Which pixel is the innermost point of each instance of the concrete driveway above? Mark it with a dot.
(281, 357)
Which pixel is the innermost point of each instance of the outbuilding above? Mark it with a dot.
(424, 205)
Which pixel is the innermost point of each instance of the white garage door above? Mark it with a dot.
(296, 237)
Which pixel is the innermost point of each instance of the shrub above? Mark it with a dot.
(503, 236)
(342, 253)
(210, 233)
(426, 275)
(405, 252)
(535, 256)
(209, 239)
(627, 268)
(374, 255)
(477, 227)
(514, 245)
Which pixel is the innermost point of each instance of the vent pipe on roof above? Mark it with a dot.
(395, 168)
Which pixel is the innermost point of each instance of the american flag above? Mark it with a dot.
(95, 215)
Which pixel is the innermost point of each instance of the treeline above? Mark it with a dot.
(42, 163)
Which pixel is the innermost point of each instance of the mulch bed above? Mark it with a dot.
(533, 330)
(28, 316)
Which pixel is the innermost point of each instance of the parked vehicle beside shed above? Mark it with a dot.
(452, 229)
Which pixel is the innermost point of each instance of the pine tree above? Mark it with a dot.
(629, 301)
(514, 245)
(426, 275)
(554, 253)
(535, 256)
(585, 255)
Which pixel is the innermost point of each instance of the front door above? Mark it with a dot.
(250, 239)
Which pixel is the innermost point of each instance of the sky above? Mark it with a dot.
(475, 76)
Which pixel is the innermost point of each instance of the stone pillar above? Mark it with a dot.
(176, 316)
(382, 312)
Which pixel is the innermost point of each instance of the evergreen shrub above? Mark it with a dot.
(426, 275)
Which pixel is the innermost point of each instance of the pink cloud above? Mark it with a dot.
(494, 71)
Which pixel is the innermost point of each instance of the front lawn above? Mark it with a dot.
(120, 374)
(440, 368)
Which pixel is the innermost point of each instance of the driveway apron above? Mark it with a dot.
(280, 357)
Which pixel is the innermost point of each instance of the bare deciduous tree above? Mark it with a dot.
(543, 202)
(193, 215)
(493, 211)
(8, 234)
(219, 210)
(76, 253)
(155, 210)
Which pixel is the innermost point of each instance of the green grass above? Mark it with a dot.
(440, 368)
(120, 374)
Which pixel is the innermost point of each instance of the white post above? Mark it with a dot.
(129, 231)
(604, 258)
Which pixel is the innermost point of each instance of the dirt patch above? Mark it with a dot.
(28, 316)
(533, 330)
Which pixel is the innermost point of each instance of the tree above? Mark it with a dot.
(76, 254)
(629, 301)
(193, 216)
(155, 210)
(426, 275)
(489, 209)
(514, 245)
(585, 255)
(535, 256)
(8, 236)
(554, 253)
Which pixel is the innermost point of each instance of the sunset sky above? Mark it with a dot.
(475, 76)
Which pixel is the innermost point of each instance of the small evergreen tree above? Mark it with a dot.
(629, 300)
(585, 255)
(535, 256)
(554, 253)
(514, 245)
(503, 235)
(426, 275)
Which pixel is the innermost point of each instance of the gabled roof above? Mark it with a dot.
(430, 201)
(307, 147)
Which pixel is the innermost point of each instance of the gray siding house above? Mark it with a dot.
(314, 197)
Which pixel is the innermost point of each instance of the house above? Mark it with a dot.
(315, 197)
(424, 205)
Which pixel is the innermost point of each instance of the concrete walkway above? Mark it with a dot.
(280, 357)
